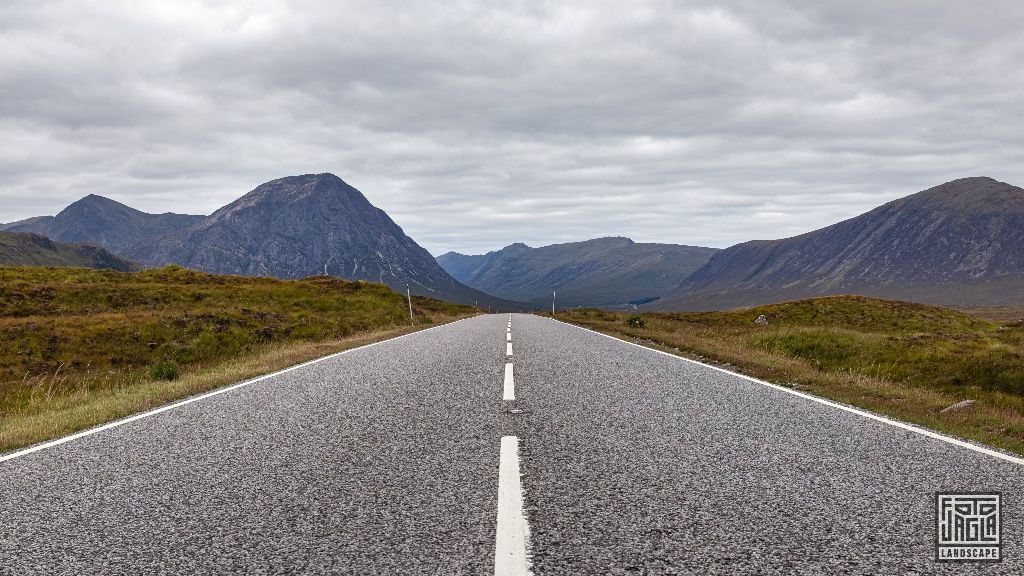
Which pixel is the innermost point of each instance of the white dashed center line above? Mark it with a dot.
(510, 384)
(513, 533)
(508, 349)
(508, 337)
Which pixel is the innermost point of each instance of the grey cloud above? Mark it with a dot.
(478, 124)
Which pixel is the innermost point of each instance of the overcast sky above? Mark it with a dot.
(479, 124)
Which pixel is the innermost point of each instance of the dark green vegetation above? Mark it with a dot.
(22, 249)
(163, 370)
(605, 272)
(78, 347)
(906, 360)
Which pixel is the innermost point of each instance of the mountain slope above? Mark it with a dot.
(601, 272)
(34, 224)
(26, 249)
(955, 244)
(293, 227)
(104, 222)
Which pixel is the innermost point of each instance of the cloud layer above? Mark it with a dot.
(479, 124)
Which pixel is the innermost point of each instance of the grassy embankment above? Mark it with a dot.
(81, 347)
(904, 360)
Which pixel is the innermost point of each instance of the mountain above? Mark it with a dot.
(605, 272)
(33, 224)
(294, 227)
(961, 243)
(104, 222)
(26, 249)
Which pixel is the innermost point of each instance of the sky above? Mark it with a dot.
(479, 124)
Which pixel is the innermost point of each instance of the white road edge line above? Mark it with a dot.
(509, 393)
(129, 419)
(508, 349)
(512, 533)
(851, 409)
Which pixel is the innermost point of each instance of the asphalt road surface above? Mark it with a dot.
(402, 458)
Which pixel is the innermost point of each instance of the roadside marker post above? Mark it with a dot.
(408, 296)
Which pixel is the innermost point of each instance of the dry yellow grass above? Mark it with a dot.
(84, 408)
(82, 347)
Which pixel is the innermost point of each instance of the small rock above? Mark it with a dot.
(957, 406)
(761, 320)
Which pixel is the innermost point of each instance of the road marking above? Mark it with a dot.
(508, 349)
(509, 331)
(510, 385)
(508, 337)
(851, 409)
(156, 411)
(512, 534)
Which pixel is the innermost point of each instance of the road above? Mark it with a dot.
(405, 457)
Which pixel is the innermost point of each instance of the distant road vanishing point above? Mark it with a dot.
(497, 445)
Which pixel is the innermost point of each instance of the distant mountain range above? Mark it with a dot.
(103, 222)
(961, 243)
(292, 227)
(26, 249)
(605, 272)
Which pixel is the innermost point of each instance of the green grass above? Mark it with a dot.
(163, 370)
(901, 359)
(79, 347)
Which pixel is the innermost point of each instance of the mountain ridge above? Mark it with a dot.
(30, 249)
(98, 220)
(958, 243)
(606, 272)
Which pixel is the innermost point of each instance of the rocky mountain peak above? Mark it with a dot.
(300, 226)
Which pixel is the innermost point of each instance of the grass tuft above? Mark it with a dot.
(164, 370)
(635, 321)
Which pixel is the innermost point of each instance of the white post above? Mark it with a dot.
(408, 295)
(552, 303)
